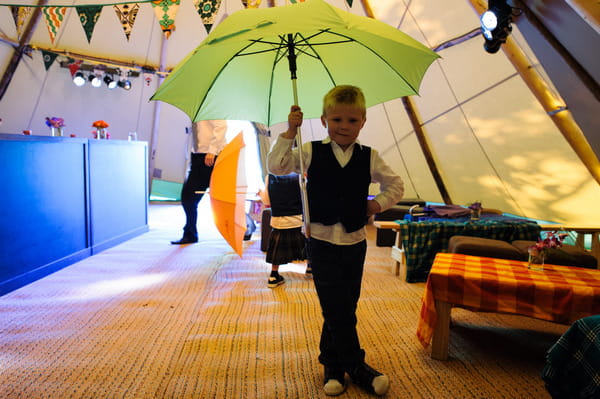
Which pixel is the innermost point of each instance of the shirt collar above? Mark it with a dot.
(328, 140)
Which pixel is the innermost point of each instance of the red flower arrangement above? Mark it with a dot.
(100, 124)
(552, 240)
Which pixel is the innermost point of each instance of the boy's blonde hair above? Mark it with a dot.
(344, 94)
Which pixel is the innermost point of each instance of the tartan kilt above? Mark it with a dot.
(285, 246)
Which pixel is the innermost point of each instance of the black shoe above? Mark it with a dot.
(370, 379)
(185, 240)
(275, 281)
(334, 381)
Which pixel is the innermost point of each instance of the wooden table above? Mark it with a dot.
(559, 294)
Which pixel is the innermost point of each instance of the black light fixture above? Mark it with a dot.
(79, 79)
(96, 78)
(495, 25)
(110, 82)
(124, 81)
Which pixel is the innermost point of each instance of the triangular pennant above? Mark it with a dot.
(207, 9)
(54, 18)
(127, 14)
(49, 58)
(20, 16)
(88, 16)
(349, 2)
(165, 11)
(251, 3)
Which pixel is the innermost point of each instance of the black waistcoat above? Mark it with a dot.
(284, 193)
(337, 194)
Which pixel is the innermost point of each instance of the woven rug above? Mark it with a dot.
(147, 319)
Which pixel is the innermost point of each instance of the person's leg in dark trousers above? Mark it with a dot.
(198, 179)
(337, 273)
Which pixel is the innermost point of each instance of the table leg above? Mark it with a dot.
(441, 334)
(398, 256)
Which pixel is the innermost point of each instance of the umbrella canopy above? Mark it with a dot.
(242, 70)
(228, 194)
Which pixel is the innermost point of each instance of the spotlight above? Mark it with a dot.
(95, 79)
(79, 79)
(124, 81)
(495, 25)
(110, 82)
(125, 84)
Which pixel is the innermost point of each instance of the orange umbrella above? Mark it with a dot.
(228, 194)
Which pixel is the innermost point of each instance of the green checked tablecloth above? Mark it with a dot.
(572, 367)
(423, 240)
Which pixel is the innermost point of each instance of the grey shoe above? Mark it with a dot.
(334, 381)
(370, 379)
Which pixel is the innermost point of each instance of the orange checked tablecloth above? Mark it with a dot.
(559, 294)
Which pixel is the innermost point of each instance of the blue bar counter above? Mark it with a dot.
(63, 199)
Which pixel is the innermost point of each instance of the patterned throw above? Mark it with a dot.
(573, 363)
(559, 294)
(423, 240)
(165, 11)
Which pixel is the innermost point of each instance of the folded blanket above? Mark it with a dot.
(448, 211)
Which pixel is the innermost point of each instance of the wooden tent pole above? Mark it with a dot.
(555, 108)
(426, 148)
(419, 132)
(19, 51)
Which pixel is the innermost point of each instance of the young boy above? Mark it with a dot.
(339, 172)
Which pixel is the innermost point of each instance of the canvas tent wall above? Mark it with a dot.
(490, 138)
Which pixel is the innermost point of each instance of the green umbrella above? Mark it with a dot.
(242, 70)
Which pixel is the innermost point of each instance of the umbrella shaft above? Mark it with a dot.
(292, 56)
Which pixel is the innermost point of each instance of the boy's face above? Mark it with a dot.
(343, 123)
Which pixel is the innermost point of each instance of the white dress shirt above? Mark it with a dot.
(209, 136)
(283, 160)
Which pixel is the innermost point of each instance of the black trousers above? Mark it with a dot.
(198, 179)
(337, 274)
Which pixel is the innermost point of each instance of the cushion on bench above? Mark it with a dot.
(487, 247)
(567, 255)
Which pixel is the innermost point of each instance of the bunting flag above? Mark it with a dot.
(54, 18)
(349, 2)
(165, 11)
(127, 14)
(20, 16)
(207, 9)
(49, 58)
(251, 3)
(88, 16)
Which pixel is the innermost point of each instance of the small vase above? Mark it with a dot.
(101, 134)
(475, 214)
(536, 262)
(56, 131)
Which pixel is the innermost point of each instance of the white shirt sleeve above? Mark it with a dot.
(283, 159)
